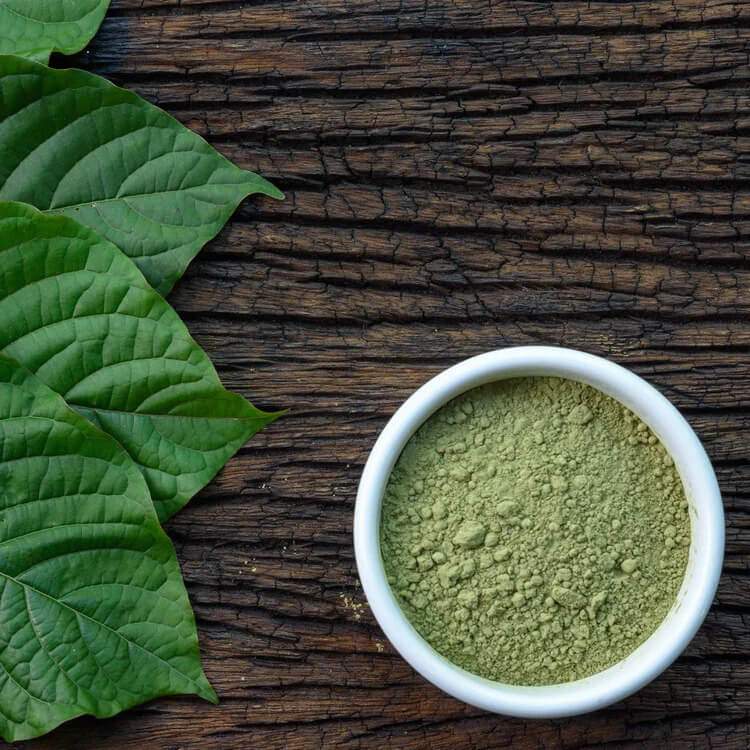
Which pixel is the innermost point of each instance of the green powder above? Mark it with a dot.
(535, 531)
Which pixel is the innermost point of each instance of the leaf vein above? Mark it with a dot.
(99, 624)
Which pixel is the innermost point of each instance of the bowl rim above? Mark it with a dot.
(706, 549)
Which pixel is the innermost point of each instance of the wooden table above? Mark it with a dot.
(461, 175)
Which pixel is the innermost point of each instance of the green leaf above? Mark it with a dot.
(94, 617)
(79, 314)
(36, 28)
(72, 143)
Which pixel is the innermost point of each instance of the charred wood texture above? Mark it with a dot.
(461, 175)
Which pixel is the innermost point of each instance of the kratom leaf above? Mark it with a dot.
(79, 314)
(72, 143)
(94, 617)
(36, 28)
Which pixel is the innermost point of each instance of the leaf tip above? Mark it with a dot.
(267, 417)
(274, 415)
(207, 692)
(269, 189)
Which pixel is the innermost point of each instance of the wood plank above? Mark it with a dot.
(224, 17)
(147, 44)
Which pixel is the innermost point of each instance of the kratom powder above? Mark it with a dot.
(535, 531)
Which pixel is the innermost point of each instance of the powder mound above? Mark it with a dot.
(535, 531)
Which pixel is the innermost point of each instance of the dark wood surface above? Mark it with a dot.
(461, 175)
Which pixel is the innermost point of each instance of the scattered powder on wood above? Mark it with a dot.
(535, 531)
(356, 608)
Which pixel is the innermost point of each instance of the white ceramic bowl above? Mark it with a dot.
(706, 521)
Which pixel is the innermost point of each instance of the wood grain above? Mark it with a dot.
(460, 176)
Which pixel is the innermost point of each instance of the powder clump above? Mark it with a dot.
(535, 531)
(470, 535)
